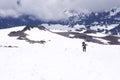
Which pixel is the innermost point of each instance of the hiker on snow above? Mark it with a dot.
(84, 46)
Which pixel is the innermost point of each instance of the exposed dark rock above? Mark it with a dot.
(41, 28)
(26, 28)
(23, 36)
(90, 31)
(9, 46)
(17, 33)
(113, 40)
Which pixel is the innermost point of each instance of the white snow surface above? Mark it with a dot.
(64, 28)
(57, 27)
(97, 34)
(119, 40)
(60, 58)
(114, 13)
(109, 27)
(102, 40)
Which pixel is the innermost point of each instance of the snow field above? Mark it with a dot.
(60, 58)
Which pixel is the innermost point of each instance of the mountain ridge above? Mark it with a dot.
(89, 20)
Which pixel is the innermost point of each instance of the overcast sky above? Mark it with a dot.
(52, 9)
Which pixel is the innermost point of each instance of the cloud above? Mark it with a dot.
(98, 5)
(52, 9)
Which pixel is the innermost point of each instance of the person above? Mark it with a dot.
(84, 46)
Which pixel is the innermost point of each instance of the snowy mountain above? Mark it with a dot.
(40, 53)
(86, 35)
(98, 21)
(103, 20)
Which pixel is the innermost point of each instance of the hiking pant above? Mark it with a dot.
(84, 49)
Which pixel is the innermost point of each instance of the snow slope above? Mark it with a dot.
(104, 27)
(65, 28)
(60, 58)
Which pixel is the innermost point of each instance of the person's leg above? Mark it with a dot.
(83, 49)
